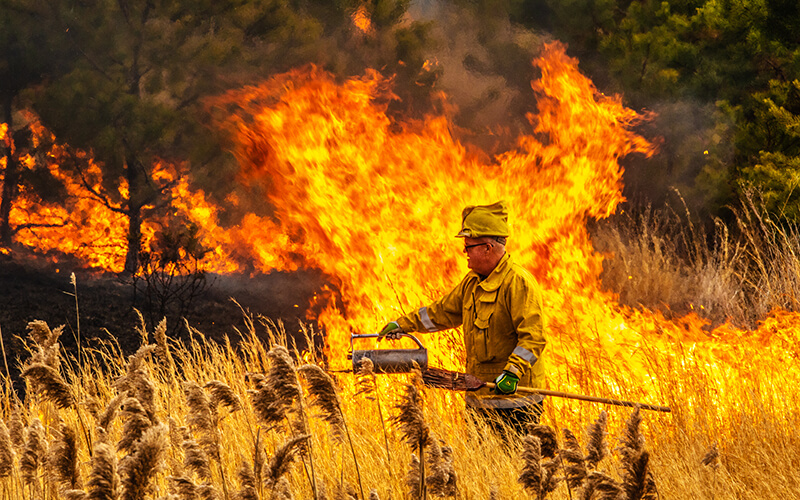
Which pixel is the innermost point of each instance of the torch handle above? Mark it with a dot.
(568, 395)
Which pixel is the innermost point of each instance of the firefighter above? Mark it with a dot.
(499, 305)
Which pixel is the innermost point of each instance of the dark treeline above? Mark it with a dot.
(128, 81)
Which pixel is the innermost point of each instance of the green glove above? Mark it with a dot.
(506, 383)
(391, 331)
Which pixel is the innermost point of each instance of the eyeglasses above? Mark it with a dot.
(467, 247)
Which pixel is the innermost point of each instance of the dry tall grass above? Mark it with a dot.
(207, 421)
(740, 271)
(202, 421)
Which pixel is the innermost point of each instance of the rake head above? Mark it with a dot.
(453, 381)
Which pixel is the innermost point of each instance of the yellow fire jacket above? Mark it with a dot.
(503, 329)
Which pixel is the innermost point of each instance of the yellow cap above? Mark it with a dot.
(484, 220)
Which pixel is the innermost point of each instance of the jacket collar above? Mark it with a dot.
(495, 279)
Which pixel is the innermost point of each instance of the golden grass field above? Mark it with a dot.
(158, 429)
(259, 420)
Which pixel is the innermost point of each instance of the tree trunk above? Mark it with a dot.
(134, 213)
(10, 181)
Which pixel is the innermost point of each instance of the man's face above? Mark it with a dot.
(479, 256)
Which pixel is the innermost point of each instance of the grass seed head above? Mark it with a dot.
(282, 490)
(411, 419)
(136, 423)
(597, 446)
(365, 378)
(248, 482)
(34, 452)
(6, 451)
(325, 397)
(194, 458)
(711, 458)
(600, 486)
(442, 478)
(47, 382)
(73, 495)
(105, 418)
(222, 394)
(637, 479)
(531, 476)
(202, 418)
(138, 470)
(16, 428)
(575, 466)
(184, 487)
(281, 377)
(547, 437)
(282, 460)
(40, 333)
(62, 460)
(413, 478)
(104, 480)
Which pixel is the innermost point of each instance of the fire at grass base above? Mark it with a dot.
(203, 420)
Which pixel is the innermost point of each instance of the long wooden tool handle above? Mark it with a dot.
(569, 395)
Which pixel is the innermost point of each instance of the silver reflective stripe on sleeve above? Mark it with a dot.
(525, 354)
(426, 320)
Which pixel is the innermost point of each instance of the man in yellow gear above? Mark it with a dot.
(499, 305)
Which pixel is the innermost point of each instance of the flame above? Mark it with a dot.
(374, 202)
(362, 21)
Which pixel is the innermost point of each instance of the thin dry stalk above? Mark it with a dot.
(325, 396)
(413, 426)
(368, 386)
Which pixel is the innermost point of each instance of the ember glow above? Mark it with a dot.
(375, 203)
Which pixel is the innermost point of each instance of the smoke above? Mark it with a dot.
(485, 70)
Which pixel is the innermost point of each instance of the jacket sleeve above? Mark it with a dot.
(440, 315)
(525, 305)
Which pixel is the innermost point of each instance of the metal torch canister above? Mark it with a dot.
(390, 360)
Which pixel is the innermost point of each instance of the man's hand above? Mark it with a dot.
(391, 331)
(506, 383)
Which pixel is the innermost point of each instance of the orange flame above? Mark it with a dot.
(361, 20)
(375, 203)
